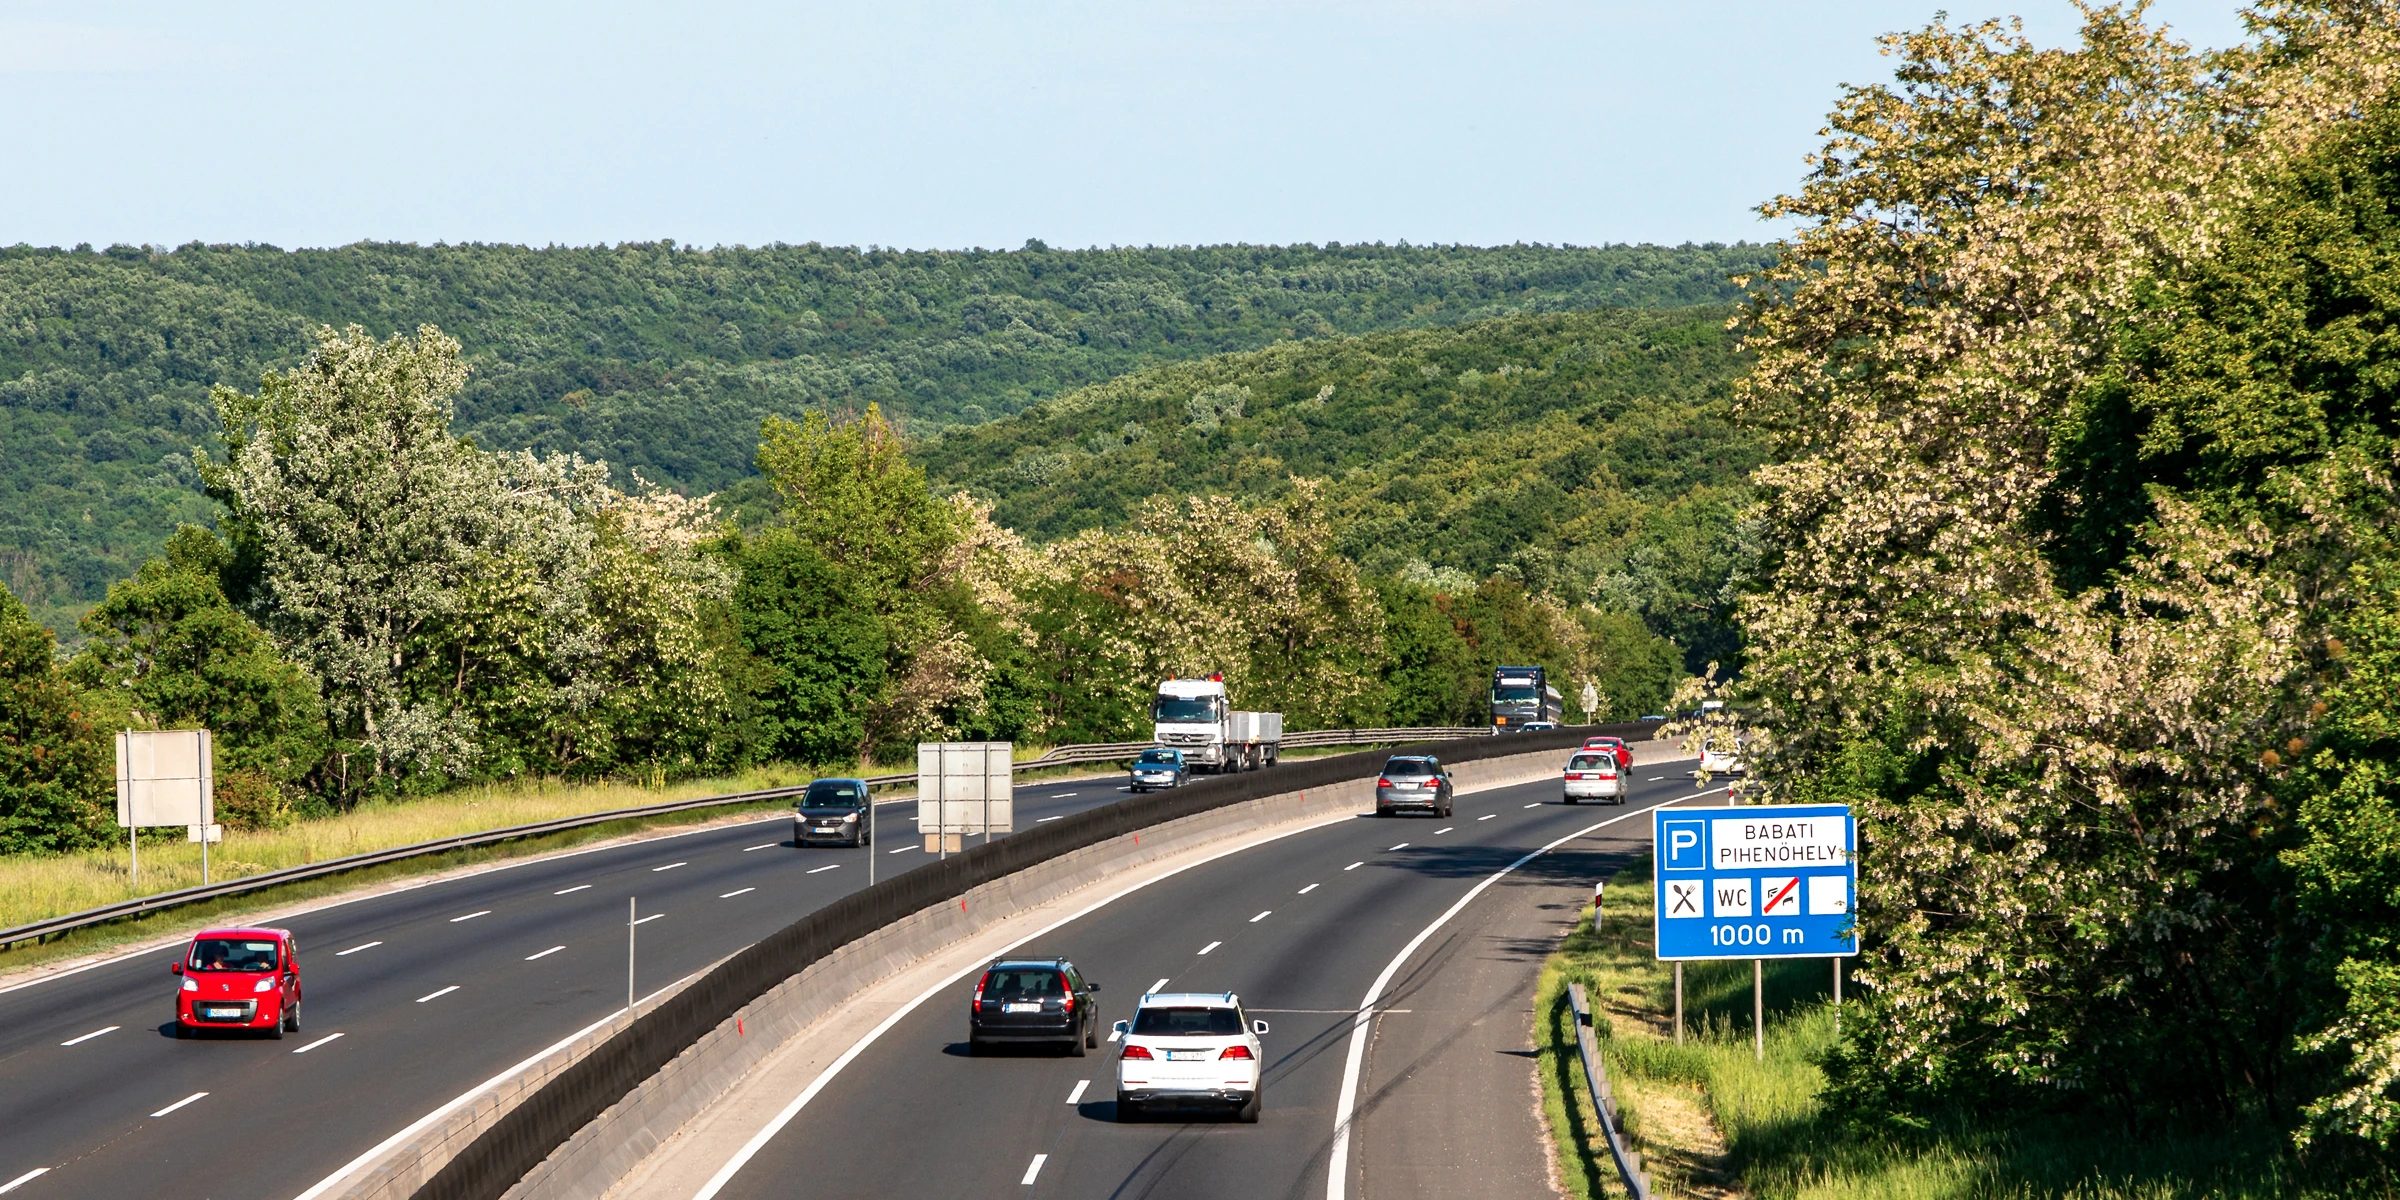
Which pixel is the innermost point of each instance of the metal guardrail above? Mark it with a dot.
(1057, 756)
(1604, 1101)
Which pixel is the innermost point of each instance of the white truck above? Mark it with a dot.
(1194, 716)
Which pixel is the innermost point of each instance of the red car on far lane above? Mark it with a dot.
(245, 978)
(1614, 745)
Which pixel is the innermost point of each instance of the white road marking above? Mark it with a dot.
(1261, 917)
(1337, 1169)
(577, 888)
(761, 846)
(1211, 946)
(471, 916)
(438, 995)
(730, 895)
(1535, 804)
(319, 1042)
(356, 949)
(89, 1036)
(1047, 820)
(22, 1180)
(1033, 1170)
(1310, 888)
(178, 1104)
(903, 850)
(652, 917)
(826, 867)
(1354, 866)
(544, 954)
(1077, 1094)
(1065, 795)
(1156, 988)
(1444, 829)
(1114, 1035)
(1656, 778)
(1488, 817)
(1401, 846)
(669, 867)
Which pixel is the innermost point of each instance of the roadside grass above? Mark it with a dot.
(1711, 1121)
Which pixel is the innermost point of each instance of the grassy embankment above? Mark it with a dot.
(1711, 1121)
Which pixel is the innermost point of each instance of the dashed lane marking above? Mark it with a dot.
(1354, 866)
(1401, 846)
(1444, 829)
(652, 917)
(826, 867)
(471, 916)
(544, 953)
(1535, 804)
(1047, 820)
(1076, 1096)
(1033, 1170)
(1156, 988)
(89, 1036)
(1310, 888)
(22, 1180)
(438, 995)
(736, 892)
(1488, 817)
(356, 949)
(761, 846)
(178, 1104)
(669, 867)
(577, 888)
(1262, 916)
(1211, 946)
(903, 850)
(319, 1042)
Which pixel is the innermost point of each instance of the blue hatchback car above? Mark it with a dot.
(1158, 769)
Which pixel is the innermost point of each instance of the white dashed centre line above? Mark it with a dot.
(1047, 820)
(1211, 946)
(1310, 888)
(668, 867)
(652, 917)
(356, 949)
(438, 995)
(1262, 916)
(1487, 816)
(22, 1180)
(1033, 1170)
(89, 1036)
(544, 953)
(1401, 846)
(319, 1042)
(471, 916)
(577, 888)
(1354, 866)
(178, 1104)
(736, 892)
(761, 846)
(826, 867)
(1156, 988)
(1077, 1095)
(1444, 829)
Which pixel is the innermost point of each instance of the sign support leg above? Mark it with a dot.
(133, 842)
(1758, 1006)
(630, 923)
(1679, 1004)
(204, 832)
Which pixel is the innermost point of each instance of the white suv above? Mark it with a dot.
(1189, 1048)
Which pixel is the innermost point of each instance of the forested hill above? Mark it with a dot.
(664, 359)
(1589, 453)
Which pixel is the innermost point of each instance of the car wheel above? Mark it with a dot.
(974, 1046)
(182, 1031)
(275, 1030)
(1128, 1109)
(291, 1018)
(1091, 1037)
(1076, 1047)
(1247, 1114)
(1570, 799)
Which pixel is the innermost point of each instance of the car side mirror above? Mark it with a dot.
(1091, 987)
(1258, 1027)
(1121, 1028)
(175, 968)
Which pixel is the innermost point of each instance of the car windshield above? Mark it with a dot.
(832, 794)
(1184, 708)
(1019, 983)
(1513, 693)
(231, 954)
(1601, 744)
(1593, 762)
(1162, 758)
(1411, 767)
(1161, 1021)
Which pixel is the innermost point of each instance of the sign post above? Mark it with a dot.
(1755, 882)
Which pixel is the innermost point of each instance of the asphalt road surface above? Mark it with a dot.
(1300, 927)
(411, 999)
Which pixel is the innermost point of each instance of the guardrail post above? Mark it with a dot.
(1595, 1075)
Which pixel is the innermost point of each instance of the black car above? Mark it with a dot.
(1034, 1000)
(1413, 783)
(833, 810)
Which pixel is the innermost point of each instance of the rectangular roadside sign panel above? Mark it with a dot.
(1755, 882)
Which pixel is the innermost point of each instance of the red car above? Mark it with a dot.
(1614, 746)
(239, 979)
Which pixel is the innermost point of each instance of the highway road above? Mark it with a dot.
(1439, 1080)
(412, 998)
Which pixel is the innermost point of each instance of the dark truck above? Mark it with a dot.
(1522, 699)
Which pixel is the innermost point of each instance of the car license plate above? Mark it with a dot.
(1186, 1055)
(1020, 1008)
(221, 1014)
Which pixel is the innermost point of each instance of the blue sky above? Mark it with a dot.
(933, 124)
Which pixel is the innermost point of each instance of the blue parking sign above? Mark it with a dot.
(1755, 882)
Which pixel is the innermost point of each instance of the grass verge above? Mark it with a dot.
(1712, 1121)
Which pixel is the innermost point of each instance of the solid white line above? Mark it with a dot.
(319, 1042)
(1401, 846)
(1337, 1171)
(1354, 866)
(652, 917)
(438, 995)
(825, 868)
(1260, 917)
(89, 1036)
(669, 867)
(1488, 817)
(544, 953)
(577, 888)
(471, 916)
(1033, 1170)
(1211, 946)
(739, 891)
(1310, 888)
(1077, 1094)
(1156, 988)
(763, 846)
(178, 1104)
(1047, 820)
(22, 1180)
(356, 949)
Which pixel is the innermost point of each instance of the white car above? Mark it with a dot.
(1722, 760)
(1189, 1049)
(1594, 775)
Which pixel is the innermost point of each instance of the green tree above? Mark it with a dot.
(54, 767)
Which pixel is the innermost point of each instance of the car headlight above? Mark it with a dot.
(851, 819)
(190, 984)
(264, 985)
